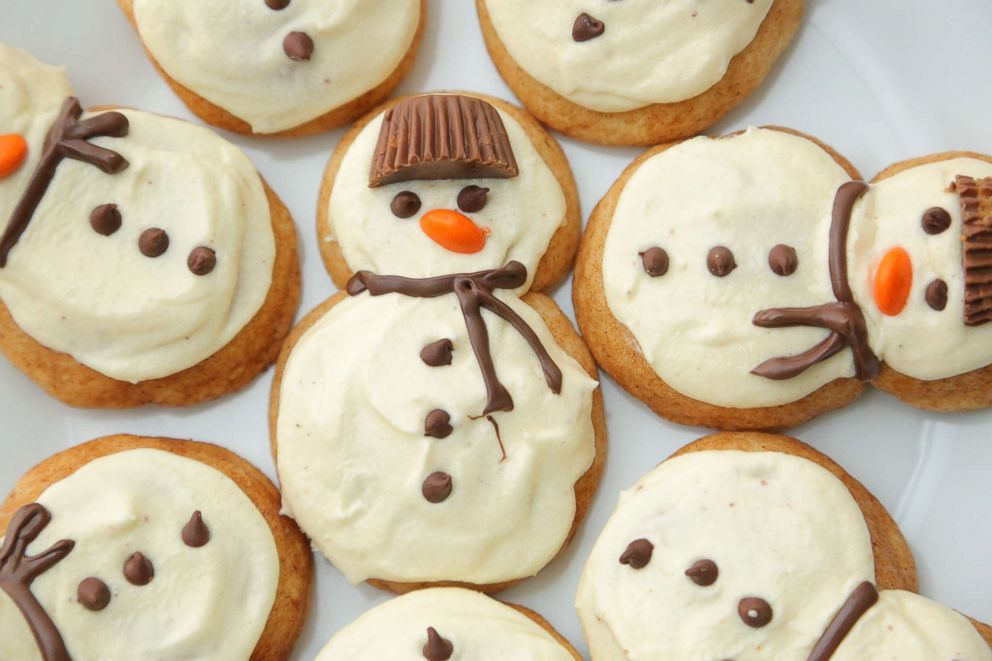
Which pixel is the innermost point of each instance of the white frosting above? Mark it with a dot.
(231, 53)
(208, 602)
(904, 626)
(779, 528)
(522, 213)
(97, 297)
(919, 342)
(352, 454)
(749, 193)
(478, 627)
(651, 52)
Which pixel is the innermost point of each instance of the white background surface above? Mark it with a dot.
(881, 81)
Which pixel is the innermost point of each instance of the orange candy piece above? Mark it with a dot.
(453, 231)
(893, 280)
(13, 151)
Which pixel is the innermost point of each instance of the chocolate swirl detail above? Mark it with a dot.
(474, 292)
(843, 317)
(68, 138)
(18, 570)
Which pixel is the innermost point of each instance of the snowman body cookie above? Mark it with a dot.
(135, 248)
(100, 566)
(286, 67)
(468, 417)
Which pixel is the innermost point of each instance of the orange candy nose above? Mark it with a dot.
(893, 281)
(453, 231)
(13, 150)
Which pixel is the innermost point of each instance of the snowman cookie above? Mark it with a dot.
(750, 546)
(748, 283)
(142, 259)
(279, 67)
(635, 72)
(129, 547)
(490, 186)
(430, 424)
(438, 624)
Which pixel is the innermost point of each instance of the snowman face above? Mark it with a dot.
(614, 56)
(277, 64)
(147, 576)
(906, 271)
(428, 227)
(724, 555)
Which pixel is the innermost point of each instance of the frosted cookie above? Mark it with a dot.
(438, 624)
(448, 183)
(751, 546)
(142, 259)
(635, 73)
(143, 548)
(279, 67)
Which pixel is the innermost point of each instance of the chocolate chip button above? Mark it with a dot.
(437, 354)
(195, 532)
(437, 487)
(138, 570)
(472, 198)
(201, 260)
(935, 220)
(405, 204)
(105, 219)
(437, 648)
(586, 27)
(936, 295)
(438, 424)
(277, 5)
(720, 261)
(782, 260)
(755, 612)
(298, 46)
(638, 554)
(655, 261)
(703, 573)
(153, 242)
(93, 594)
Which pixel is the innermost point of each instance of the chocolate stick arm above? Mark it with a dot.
(110, 124)
(552, 374)
(779, 369)
(79, 150)
(819, 316)
(497, 396)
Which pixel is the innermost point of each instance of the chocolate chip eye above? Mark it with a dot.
(472, 198)
(298, 46)
(93, 594)
(703, 573)
(755, 612)
(201, 260)
(782, 260)
(405, 204)
(936, 295)
(720, 261)
(586, 27)
(655, 261)
(935, 220)
(638, 553)
(138, 570)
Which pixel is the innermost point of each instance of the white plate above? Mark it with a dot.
(881, 81)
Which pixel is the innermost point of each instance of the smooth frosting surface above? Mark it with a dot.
(920, 342)
(210, 602)
(98, 298)
(477, 626)
(231, 53)
(748, 193)
(352, 450)
(904, 626)
(521, 213)
(778, 527)
(650, 52)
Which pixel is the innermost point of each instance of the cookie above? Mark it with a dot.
(458, 212)
(140, 548)
(279, 67)
(142, 259)
(746, 546)
(412, 457)
(627, 73)
(448, 623)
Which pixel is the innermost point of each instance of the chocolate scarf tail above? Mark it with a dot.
(18, 570)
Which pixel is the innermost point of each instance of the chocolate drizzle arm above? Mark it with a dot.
(864, 597)
(843, 318)
(18, 570)
(67, 138)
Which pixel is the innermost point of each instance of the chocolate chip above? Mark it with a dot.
(703, 573)
(586, 27)
(195, 532)
(782, 260)
(138, 570)
(935, 220)
(720, 261)
(93, 594)
(638, 554)
(405, 204)
(437, 648)
(277, 4)
(437, 354)
(655, 261)
(153, 242)
(201, 260)
(472, 198)
(937, 295)
(105, 219)
(437, 424)
(437, 487)
(298, 46)
(755, 612)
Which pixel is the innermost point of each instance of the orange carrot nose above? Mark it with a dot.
(13, 150)
(453, 231)
(893, 281)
